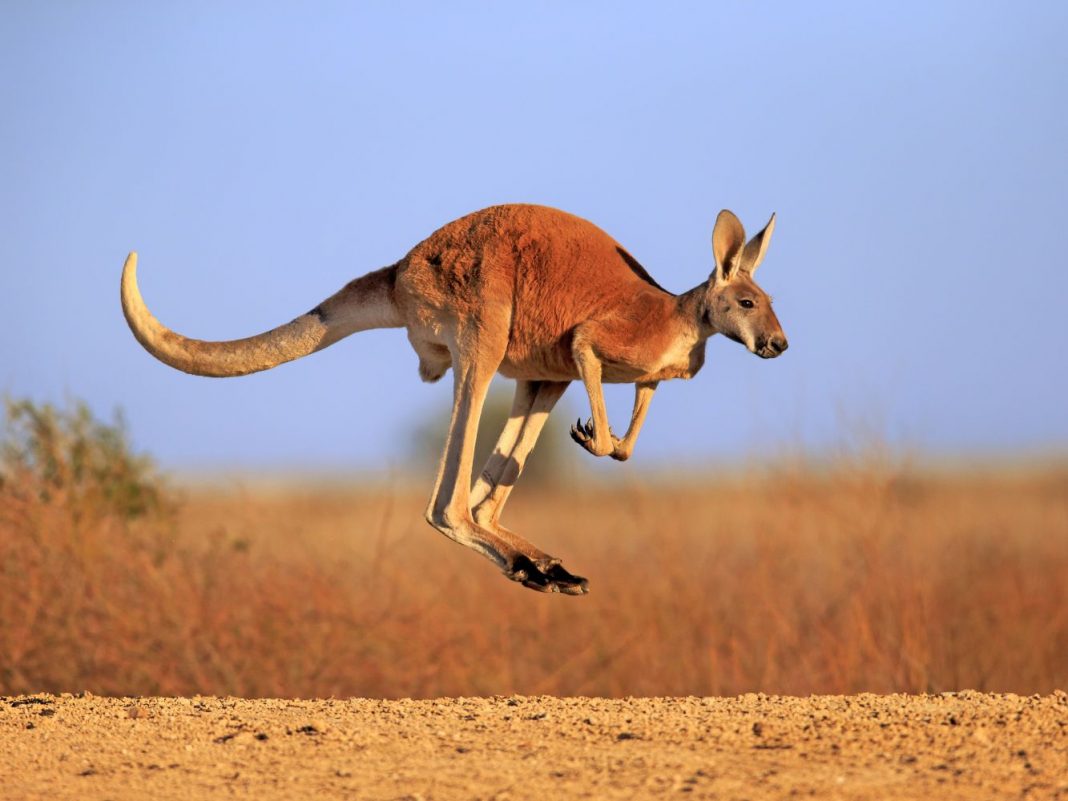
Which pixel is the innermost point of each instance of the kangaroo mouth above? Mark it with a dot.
(770, 348)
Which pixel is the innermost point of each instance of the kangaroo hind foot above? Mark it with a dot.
(546, 575)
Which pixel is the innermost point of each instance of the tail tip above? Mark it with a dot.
(129, 269)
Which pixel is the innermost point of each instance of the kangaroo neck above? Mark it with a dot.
(691, 307)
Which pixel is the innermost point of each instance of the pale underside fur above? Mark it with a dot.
(537, 295)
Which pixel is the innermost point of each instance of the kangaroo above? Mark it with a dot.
(535, 294)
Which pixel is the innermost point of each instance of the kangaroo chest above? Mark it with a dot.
(681, 358)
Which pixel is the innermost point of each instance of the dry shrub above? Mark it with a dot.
(865, 575)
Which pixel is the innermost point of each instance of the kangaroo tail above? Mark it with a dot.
(364, 303)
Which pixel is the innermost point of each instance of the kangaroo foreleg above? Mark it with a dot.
(643, 393)
(595, 436)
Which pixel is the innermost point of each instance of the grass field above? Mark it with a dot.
(859, 576)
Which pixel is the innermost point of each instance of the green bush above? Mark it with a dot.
(65, 457)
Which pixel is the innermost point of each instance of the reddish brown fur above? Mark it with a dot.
(537, 295)
(536, 276)
(542, 296)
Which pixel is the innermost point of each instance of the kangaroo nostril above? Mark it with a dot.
(780, 344)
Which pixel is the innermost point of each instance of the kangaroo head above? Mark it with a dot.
(733, 303)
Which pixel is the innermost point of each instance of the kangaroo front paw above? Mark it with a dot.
(586, 436)
(582, 434)
(546, 575)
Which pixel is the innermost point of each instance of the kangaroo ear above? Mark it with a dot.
(754, 252)
(728, 240)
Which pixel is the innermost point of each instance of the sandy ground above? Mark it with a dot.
(965, 745)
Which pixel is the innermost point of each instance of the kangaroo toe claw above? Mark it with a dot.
(579, 433)
(547, 575)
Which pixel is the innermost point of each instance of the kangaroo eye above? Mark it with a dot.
(746, 303)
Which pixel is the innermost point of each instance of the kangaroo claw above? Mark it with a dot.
(553, 578)
(582, 434)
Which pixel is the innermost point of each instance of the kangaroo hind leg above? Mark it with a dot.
(449, 510)
(534, 400)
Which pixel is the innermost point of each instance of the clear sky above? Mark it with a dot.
(259, 155)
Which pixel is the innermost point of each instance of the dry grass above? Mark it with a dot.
(837, 580)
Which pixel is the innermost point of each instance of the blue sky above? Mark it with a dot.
(260, 155)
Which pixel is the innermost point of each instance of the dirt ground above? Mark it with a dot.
(962, 745)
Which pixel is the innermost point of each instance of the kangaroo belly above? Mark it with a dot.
(550, 362)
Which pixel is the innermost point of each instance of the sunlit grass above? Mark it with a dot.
(861, 575)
